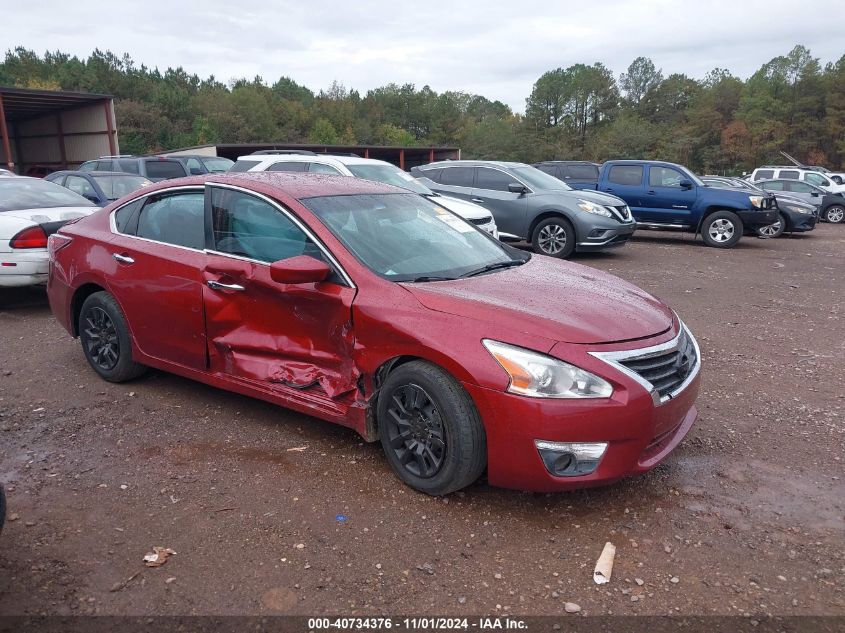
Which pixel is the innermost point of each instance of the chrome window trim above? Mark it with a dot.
(614, 358)
(113, 224)
(303, 227)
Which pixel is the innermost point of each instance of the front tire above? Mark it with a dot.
(773, 230)
(722, 229)
(554, 237)
(430, 429)
(106, 341)
(835, 214)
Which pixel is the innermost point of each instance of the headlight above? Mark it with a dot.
(540, 376)
(592, 207)
(796, 209)
(756, 201)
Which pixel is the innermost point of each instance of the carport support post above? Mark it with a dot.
(5, 133)
(109, 127)
(401, 159)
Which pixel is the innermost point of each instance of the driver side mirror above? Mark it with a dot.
(685, 184)
(302, 269)
(516, 187)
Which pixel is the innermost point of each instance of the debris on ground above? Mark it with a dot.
(120, 585)
(297, 449)
(571, 607)
(158, 556)
(604, 565)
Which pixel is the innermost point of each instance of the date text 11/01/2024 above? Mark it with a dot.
(416, 624)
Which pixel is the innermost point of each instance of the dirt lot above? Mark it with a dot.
(746, 517)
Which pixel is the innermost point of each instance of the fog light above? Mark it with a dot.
(595, 233)
(570, 459)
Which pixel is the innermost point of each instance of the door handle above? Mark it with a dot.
(651, 192)
(216, 285)
(477, 200)
(123, 259)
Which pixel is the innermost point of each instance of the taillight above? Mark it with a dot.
(55, 243)
(33, 237)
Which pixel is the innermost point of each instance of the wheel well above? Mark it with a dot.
(79, 297)
(708, 212)
(545, 215)
(380, 375)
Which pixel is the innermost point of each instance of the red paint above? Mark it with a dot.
(316, 346)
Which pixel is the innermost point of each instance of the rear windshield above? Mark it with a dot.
(165, 169)
(115, 187)
(217, 164)
(390, 175)
(33, 193)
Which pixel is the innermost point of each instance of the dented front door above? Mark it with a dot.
(280, 336)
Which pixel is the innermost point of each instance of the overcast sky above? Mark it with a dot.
(494, 48)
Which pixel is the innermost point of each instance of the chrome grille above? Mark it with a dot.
(666, 372)
(624, 212)
(480, 221)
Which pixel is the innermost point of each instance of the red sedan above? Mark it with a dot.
(375, 308)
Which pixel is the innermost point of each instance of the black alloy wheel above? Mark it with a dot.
(415, 431)
(102, 346)
(106, 339)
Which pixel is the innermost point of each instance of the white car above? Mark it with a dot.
(31, 209)
(772, 172)
(369, 169)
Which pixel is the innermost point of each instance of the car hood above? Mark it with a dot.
(468, 210)
(557, 300)
(604, 199)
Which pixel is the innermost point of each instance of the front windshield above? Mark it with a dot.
(404, 237)
(34, 193)
(537, 179)
(390, 175)
(118, 186)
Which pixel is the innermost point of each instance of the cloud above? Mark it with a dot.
(494, 48)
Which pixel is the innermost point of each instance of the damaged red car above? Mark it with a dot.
(375, 308)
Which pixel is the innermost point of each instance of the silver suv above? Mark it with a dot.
(531, 205)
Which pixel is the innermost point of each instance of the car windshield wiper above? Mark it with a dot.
(432, 278)
(498, 265)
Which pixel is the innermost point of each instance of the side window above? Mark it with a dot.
(664, 177)
(80, 185)
(124, 215)
(174, 218)
(799, 187)
(251, 227)
(774, 185)
(164, 169)
(319, 168)
(103, 165)
(59, 180)
(550, 169)
(582, 173)
(764, 174)
(486, 178)
(431, 174)
(90, 165)
(287, 166)
(244, 165)
(816, 179)
(457, 176)
(788, 173)
(129, 166)
(631, 175)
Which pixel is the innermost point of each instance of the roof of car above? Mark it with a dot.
(310, 158)
(298, 185)
(76, 172)
(473, 163)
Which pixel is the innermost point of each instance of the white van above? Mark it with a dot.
(769, 172)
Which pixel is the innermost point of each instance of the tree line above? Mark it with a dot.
(716, 124)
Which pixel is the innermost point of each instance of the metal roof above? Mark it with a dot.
(22, 103)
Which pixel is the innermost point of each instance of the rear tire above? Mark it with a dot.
(430, 430)
(835, 214)
(722, 229)
(106, 341)
(554, 237)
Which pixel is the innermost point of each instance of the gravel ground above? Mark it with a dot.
(746, 516)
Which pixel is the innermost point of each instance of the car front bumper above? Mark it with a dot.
(801, 222)
(601, 235)
(753, 219)
(23, 268)
(639, 431)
